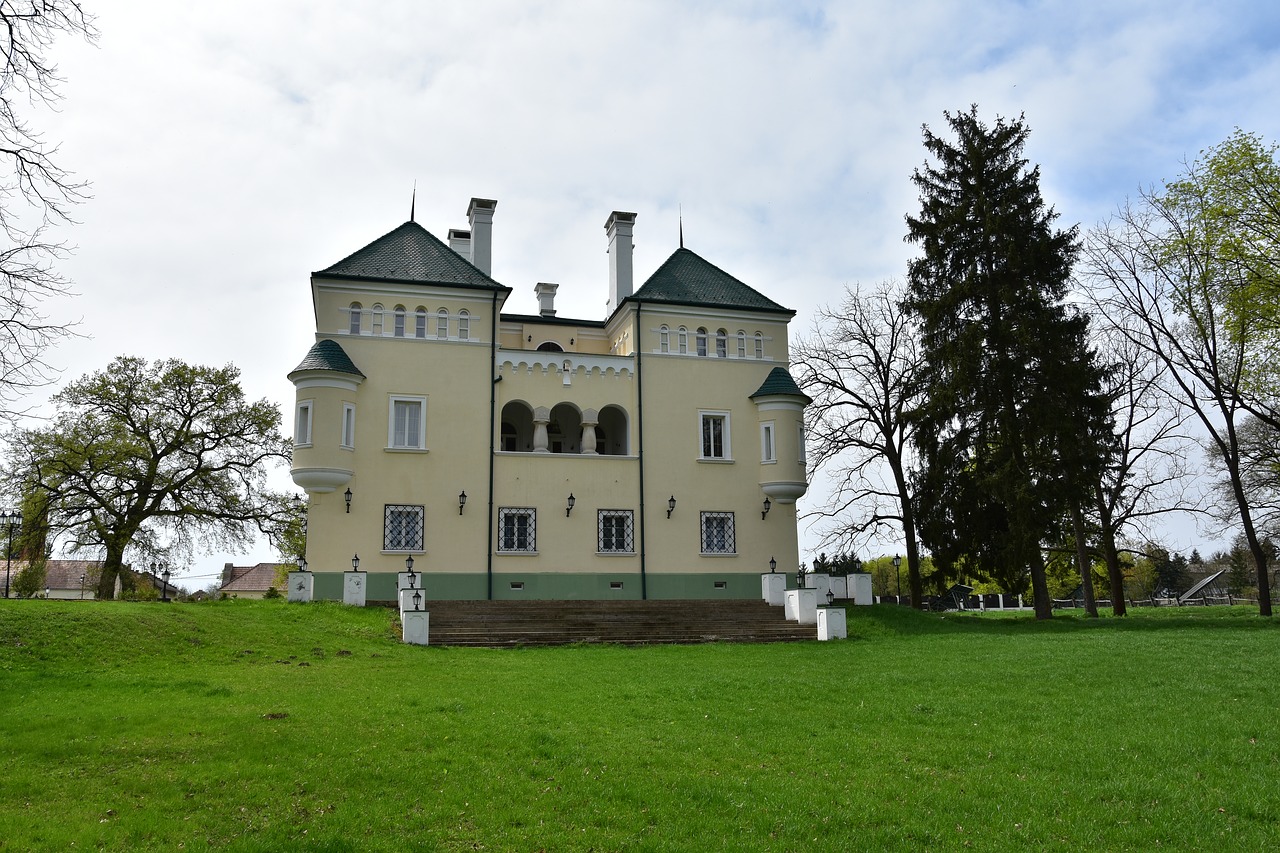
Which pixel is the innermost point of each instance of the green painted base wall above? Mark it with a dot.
(557, 586)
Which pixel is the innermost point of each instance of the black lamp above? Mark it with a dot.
(302, 564)
(569, 507)
(462, 501)
(773, 565)
(831, 596)
(347, 497)
(355, 563)
(671, 505)
(165, 595)
(417, 600)
(408, 566)
(767, 504)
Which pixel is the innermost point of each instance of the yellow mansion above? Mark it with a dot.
(657, 453)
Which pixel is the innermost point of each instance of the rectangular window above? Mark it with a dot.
(616, 531)
(442, 324)
(717, 533)
(516, 529)
(464, 326)
(402, 528)
(800, 434)
(767, 453)
(398, 328)
(302, 426)
(348, 425)
(408, 423)
(714, 427)
(759, 345)
(420, 324)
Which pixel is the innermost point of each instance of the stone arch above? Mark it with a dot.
(517, 427)
(550, 346)
(564, 429)
(612, 433)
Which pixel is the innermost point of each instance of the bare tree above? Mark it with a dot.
(1148, 471)
(861, 366)
(36, 193)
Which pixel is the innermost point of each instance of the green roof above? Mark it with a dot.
(686, 278)
(328, 355)
(780, 382)
(413, 254)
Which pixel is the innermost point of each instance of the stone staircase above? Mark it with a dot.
(505, 624)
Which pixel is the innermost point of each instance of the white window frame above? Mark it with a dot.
(768, 443)
(664, 339)
(722, 343)
(464, 325)
(348, 426)
(397, 324)
(377, 312)
(609, 517)
(420, 322)
(512, 544)
(721, 542)
(413, 533)
(682, 340)
(700, 338)
(302, 423)
(442, 324)
(407, 442)
(726, 444)
(759, 345)
(742, 344)
(354, 313)
(803, 452)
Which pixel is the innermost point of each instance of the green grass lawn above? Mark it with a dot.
(267, 726)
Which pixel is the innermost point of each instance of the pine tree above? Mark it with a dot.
(1014, 428)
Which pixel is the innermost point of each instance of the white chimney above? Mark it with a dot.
(480, 218)
(546, 292)
(460, 242)
(618, 230)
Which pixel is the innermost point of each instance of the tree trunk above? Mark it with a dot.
(1040, 586)
(110, 571)
(1119, 605)
(1083, 561)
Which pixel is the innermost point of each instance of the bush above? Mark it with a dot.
(271, 592)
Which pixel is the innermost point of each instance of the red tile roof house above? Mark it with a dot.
(251, 581)
(62, 578)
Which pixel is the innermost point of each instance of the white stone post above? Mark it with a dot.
(860, 589)
(354, 588)
(301, 586)
(840, 587)
(819, 582)
(773, 588)
(415, 626)
(589, 438)
(802, 606)
(832, 623)
(540, 442)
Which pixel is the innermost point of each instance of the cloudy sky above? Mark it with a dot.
(234, 147)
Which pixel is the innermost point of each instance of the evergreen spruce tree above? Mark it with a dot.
(1014, 429)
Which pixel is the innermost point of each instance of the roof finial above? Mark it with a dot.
(413, 203)
(681, 209)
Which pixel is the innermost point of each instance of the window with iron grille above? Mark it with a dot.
(616, 531)
(717, 533)
(402, 528)
(516, 529)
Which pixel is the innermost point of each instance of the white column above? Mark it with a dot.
(301, 585)
(354, 588)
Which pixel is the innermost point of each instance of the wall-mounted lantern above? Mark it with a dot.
(767, 504)
(569, 505)
(462, 501)
(347, 497)
(671, 505)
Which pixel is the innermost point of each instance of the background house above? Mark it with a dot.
(251, 581)
(64, 579)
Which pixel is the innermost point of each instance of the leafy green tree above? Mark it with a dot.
(153, 459)
(1013, 429)
(30, 582)
(1188, 273)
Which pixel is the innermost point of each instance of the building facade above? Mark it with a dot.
(657, 453)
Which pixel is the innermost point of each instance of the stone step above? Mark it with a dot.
(504, 624)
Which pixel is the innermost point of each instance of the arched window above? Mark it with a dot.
(682, 338)
(759, 345)
(420, 322)
(517, 427)
(702, 341)
(353, 321)
(550, 346)
(399, 322)
(377, 320)
(742, 344)
(664, 339)
(611, 434)
(464, 325)
(442, 323)
(722, 343)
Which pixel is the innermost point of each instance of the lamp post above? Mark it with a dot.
(82, 587)
(897, 563)
(10, 520)
(164, 596)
